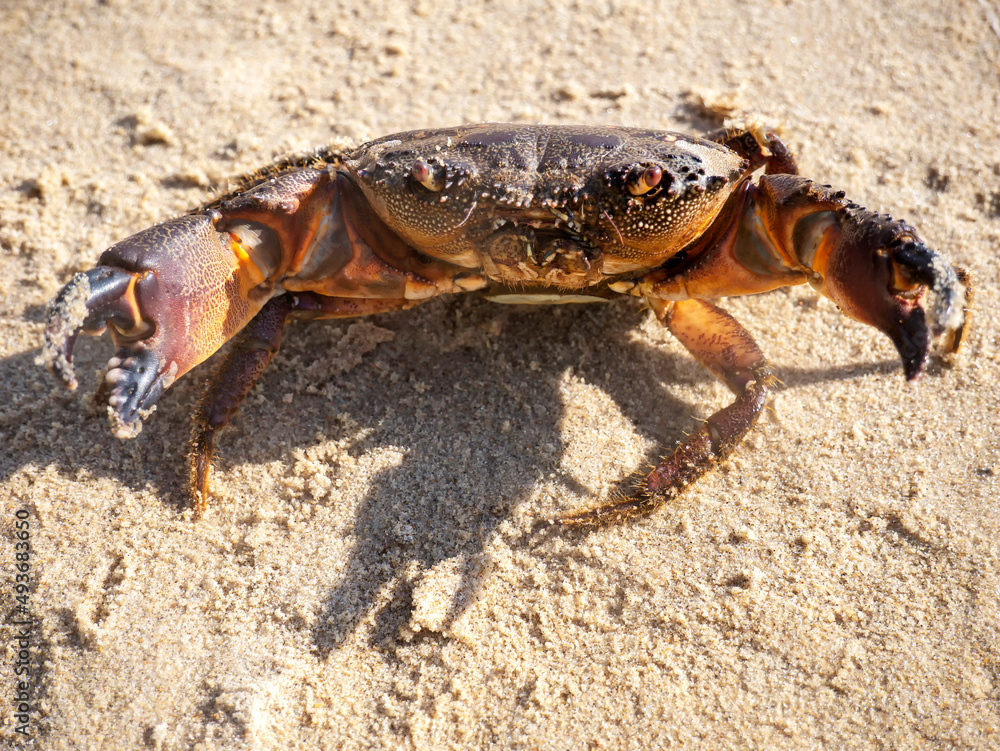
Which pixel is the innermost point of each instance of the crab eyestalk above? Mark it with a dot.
(171, 296)
(876, 269)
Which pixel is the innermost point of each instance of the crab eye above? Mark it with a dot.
(641, 180)
(426, 175)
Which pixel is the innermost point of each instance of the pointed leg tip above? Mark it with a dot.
(199, 503)
(201, 458)
(59, 365)
(619, 509)
(201, 466)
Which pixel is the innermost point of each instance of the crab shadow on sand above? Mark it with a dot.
(482, 385)
(488, 417)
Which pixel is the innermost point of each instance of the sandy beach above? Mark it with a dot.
(370, 574)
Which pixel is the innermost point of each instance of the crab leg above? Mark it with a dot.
(173, 294)
(725, 348)
(760, 146)
(252, 351)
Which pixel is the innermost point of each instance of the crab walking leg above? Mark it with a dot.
(760, 146)
(252, 351)
(726, 349)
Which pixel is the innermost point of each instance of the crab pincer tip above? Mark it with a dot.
(64, 318)
(136, 382)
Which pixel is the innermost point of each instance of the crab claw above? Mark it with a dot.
(879, 272)
(86, 303)
(171, 296)
(90, 302)
(876, 269)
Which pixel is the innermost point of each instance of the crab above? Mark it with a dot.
(517, 214)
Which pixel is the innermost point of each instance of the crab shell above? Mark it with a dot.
(546, 204)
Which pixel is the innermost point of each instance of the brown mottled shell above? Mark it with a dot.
(567, 205)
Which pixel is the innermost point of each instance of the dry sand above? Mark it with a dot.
(367, 576)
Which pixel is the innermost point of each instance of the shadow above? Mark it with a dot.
(798, 377)
(699, 115)
(479, 416)
(469, 393)
(44, 424)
